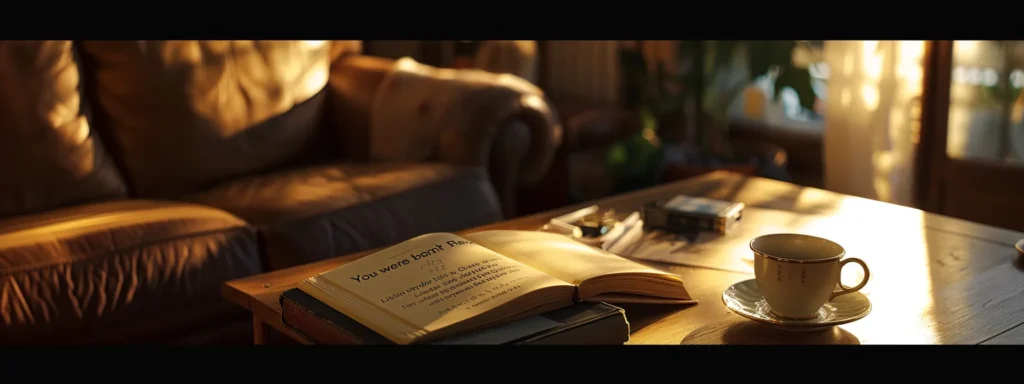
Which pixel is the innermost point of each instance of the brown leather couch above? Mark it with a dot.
(137, 177)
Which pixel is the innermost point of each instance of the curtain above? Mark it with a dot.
(872, 118)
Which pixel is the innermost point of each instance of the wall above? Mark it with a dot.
(586, 69)
(393, 49)
(582, 69)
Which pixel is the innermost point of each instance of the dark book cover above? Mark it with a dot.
(583, 323)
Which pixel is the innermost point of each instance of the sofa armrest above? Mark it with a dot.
(386, 110)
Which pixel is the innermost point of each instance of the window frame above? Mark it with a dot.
(974, 190)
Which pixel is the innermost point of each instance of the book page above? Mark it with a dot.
(558, 255)
(435, 280)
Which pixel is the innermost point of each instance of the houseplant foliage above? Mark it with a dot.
(634, 161)
(714, 73)
(784, 62)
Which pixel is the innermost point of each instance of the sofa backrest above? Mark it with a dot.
(50, 155)
(183, 115)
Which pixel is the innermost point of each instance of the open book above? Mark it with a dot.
(439, 285)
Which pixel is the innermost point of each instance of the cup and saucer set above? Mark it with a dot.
(796, 285)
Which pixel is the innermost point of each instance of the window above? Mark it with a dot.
(757, 101)
(977, 173)
(986, 106)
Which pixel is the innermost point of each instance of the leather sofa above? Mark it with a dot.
(136, 177)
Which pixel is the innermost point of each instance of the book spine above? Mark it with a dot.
(680, 222)
(307, 324)
(676, 220)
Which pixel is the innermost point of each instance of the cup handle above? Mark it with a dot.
(844, 289)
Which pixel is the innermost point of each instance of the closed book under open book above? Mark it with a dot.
(580, 324)
(438, 286)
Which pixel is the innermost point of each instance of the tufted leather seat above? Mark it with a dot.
(108, 269)
(313, 213)
(214, 108)
(49, 155)
(136, 177)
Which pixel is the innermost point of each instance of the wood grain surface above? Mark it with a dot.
(934, 279)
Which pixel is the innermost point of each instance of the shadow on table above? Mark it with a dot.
(745, 332)
(641, 315)
(1019, 263)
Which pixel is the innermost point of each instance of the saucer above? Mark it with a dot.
(745, 299)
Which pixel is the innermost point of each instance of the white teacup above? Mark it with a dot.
(797, 274)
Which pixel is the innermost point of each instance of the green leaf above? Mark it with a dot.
(762, 55)
(800, 80)
(617, 154)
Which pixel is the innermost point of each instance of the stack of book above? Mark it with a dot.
(489, 287)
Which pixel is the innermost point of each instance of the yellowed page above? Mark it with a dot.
(435, 280)
(558, 255)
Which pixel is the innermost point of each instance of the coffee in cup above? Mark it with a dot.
(797, 274)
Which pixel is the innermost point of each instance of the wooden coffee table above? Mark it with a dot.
(934, 279)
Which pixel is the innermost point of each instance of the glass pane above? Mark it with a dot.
(986, 107)
(769, 95)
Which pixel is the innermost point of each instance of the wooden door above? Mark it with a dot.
(972, 142)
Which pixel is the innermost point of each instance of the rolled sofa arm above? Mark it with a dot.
(402, 110)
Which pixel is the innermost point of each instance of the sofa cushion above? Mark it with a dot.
(315, 213)
(187, 114)
(49, 154)
(92, 272)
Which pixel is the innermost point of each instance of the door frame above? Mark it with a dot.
(942, 182)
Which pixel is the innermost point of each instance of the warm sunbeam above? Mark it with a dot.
(896, 250)
(869, 148)
(577, 192)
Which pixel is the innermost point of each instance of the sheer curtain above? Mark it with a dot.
(872, 118)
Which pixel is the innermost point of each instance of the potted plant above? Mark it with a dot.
(689, 121)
